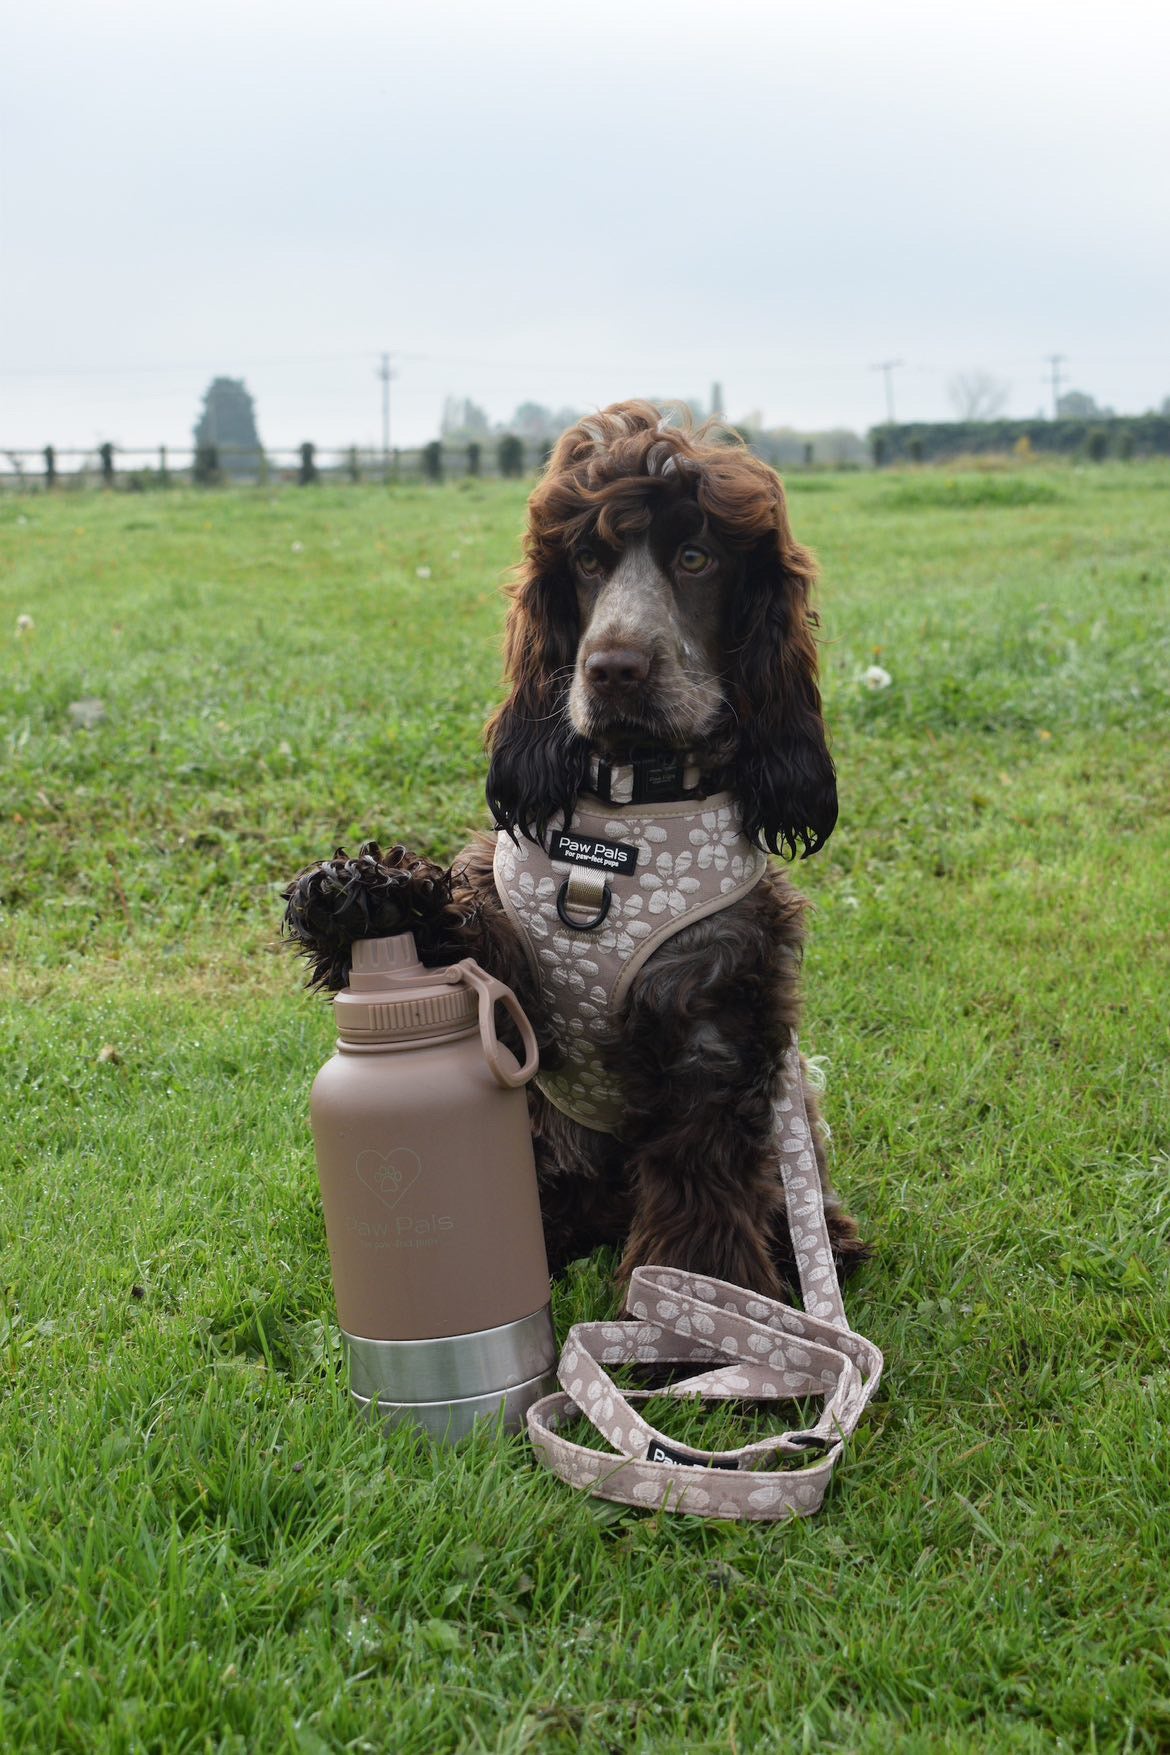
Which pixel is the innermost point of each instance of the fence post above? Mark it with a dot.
(206, 470)
(163, 476)
(106, 453)
(308, 471)
(50, 466)
(432, 461)
(474, 454)
(510, 456)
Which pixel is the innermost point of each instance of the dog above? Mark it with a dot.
(662, 670)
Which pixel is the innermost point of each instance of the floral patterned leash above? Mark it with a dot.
(762, 1350)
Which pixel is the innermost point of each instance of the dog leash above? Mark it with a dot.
(763, 1350)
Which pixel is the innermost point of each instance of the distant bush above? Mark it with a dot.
(1149, 435)
(1097, 444)
(474, 456)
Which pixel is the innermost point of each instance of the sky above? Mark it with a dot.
(574, 203)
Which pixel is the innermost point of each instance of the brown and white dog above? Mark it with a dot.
(661, 616)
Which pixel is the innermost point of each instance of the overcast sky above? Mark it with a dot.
(573, 203)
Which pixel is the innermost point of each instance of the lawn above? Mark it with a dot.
(200, 1548)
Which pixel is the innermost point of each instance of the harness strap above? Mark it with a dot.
(762, 1350)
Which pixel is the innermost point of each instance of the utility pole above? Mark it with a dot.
(1056, 360)
(887, 367)
(385, 374)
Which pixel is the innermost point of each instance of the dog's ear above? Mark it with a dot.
(538, 762)
(784, 777)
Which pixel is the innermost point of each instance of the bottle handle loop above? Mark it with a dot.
(501, 1063)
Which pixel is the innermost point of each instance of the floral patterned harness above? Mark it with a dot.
(692, 858)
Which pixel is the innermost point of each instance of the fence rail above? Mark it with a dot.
(149, 466)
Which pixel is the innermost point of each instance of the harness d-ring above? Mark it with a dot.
(584, 925)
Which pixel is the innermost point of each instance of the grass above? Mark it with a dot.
(200, 1549)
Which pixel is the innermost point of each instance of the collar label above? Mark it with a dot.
(591, 850)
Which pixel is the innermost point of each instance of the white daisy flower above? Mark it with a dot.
(876, 678)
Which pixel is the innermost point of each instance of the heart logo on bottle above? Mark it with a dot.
(389, 1174)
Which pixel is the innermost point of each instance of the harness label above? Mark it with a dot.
(659, 1452)
(599, 855)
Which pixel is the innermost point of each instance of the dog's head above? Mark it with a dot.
(663, 601)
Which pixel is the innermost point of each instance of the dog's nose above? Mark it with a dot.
(617, 668)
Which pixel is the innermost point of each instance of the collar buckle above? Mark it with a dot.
(654, 777)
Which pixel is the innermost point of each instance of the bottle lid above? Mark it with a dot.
(392, 997)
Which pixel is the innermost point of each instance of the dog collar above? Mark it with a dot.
(649, 777)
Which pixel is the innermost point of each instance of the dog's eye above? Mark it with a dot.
(692, 559)
(588, 563)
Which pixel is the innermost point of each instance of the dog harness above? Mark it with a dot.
(616, 880)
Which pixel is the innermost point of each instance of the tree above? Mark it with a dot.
(227, 421)
(532, 420)
(977, 395)
(1077, 405)
(463, 421)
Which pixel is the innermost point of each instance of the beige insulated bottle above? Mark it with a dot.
(429, 1188)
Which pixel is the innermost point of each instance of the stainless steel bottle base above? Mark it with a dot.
(446, 1385)
(450, 1421)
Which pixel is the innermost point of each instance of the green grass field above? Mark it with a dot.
(200, 1548)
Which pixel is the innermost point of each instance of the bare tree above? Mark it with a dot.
(977, 395)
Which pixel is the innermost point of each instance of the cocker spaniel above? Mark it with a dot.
(660, 652)
(661, 736)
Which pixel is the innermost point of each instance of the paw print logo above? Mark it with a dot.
(389, 1175)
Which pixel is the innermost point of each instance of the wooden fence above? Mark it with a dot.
(145, 467)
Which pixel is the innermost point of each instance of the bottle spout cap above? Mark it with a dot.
(374, 961)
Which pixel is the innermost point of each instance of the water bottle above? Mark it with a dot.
(429, 1187)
